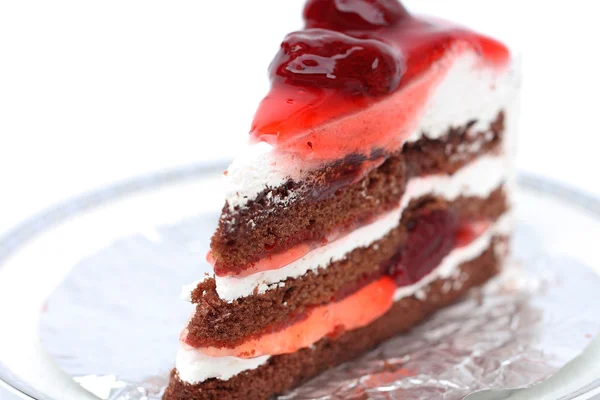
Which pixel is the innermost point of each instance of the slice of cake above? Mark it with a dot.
(374, 191)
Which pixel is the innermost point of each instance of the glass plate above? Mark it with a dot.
(59, 249)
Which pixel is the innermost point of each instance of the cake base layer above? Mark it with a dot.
(226, 324)
(340, 196)
(284, 372)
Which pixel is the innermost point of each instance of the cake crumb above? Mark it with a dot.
(478, 296)
(457, 285)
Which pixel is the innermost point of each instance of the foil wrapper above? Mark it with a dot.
(114, 324)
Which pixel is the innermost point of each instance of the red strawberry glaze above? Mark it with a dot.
(320, 108)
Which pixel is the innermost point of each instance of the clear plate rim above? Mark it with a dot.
(40, 222)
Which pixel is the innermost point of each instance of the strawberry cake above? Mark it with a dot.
(374, 191)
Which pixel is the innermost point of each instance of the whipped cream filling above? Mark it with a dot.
(478, 178)
(467, 92)
(193, 366)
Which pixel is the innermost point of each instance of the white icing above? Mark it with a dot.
(479, 178)
(193, 366)
(251, 172)
(468, 91)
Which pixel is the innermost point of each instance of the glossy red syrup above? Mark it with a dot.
(354, 56)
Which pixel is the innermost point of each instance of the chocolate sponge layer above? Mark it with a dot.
(284, 372)
(226, 324)
(339, 196)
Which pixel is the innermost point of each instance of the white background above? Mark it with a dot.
(94, 92)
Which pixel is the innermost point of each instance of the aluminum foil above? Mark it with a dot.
(114, 324)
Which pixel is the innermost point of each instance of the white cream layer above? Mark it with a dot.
(478, 178)
(194, 367)
(467, 91)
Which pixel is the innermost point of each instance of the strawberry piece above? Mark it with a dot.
(344, 15)
(328, 59)
(431, 236)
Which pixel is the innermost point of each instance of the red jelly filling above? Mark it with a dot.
(352, 56)
(431, 236)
